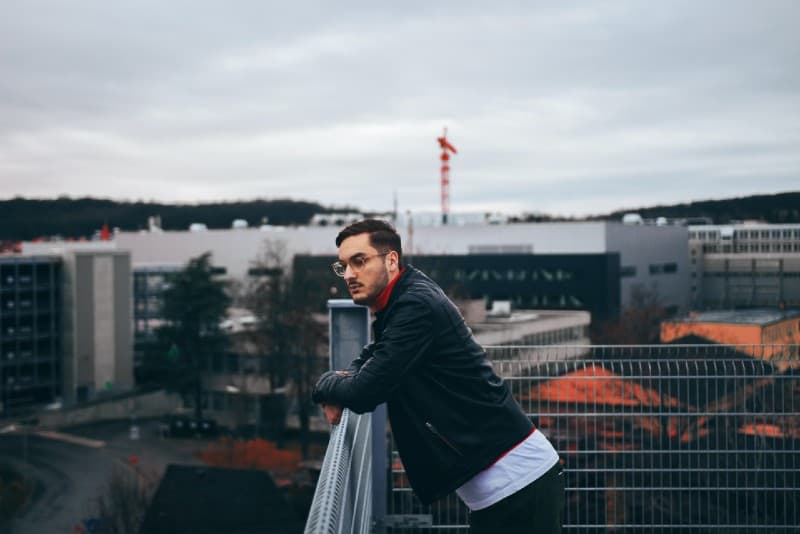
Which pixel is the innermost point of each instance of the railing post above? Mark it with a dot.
(349, 331)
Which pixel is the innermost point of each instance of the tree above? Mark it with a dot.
(195, 303)
(123, 504)
(286, 331)
(267, 296)
(639, 322)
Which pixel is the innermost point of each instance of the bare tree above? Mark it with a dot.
(639, 322)
(286, 332)
(266, 295)
(121, 509)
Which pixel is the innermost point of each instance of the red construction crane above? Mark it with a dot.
(445, 157)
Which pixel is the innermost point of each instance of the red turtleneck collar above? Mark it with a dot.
(383, 298)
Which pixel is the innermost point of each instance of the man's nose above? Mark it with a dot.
(348, 273)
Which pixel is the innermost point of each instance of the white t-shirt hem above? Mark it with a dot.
(510, 473)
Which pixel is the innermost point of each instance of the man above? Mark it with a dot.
(456, 425)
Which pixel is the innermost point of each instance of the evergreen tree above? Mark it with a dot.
(195, 304)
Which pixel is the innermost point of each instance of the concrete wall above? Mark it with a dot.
(102, 321)
(98, 339)
(643, 246)
(153, 404)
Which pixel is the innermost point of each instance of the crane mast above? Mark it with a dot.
(445, 174)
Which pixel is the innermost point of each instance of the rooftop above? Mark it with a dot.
(755, 316)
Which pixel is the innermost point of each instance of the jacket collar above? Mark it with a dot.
(395, 288)
(383, 298)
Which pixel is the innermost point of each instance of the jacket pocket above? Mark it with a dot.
(449, 444)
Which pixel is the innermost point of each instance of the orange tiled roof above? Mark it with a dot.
(597, 385)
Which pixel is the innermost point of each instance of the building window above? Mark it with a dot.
(663, 268)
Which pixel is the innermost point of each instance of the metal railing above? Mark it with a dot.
(342, 499)
(666, 438)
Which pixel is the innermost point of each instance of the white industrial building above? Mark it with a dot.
(653, 257)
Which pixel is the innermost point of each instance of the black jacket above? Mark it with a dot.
(451, 415)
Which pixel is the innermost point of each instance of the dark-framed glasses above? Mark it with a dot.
(356, 263)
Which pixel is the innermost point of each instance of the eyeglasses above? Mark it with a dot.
(356, 263)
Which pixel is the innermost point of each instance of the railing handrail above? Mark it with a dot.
(341, 500)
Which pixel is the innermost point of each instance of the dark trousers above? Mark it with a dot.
(536, 508)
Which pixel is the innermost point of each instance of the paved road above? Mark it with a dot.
(69, 477)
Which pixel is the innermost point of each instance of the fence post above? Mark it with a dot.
(349, 331)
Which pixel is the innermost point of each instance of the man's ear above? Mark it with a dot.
(395, 259)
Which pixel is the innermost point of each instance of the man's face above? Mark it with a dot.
(366, 284)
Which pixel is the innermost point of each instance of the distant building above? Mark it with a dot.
(30, 331)
(498, 256)
(744, 265)
(743, 238)
(541, 327)
(753, 327)
(149, 283)
(589, 282)
(66, 324)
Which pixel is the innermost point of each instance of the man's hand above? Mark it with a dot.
(333, 413)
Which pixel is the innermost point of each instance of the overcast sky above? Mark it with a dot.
(565, 108)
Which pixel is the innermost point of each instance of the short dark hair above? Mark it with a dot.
(382, 236)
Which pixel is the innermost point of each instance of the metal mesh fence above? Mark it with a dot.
(666, 438)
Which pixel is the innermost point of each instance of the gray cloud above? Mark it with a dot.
(568, 109)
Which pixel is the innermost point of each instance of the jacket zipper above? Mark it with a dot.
(441, 437)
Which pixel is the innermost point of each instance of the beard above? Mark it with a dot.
(367, 294)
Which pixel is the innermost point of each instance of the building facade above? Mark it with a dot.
(654, 258)
(588, 282)
(30, 332)
(97, 320)
(762, 332)
(744, 266)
